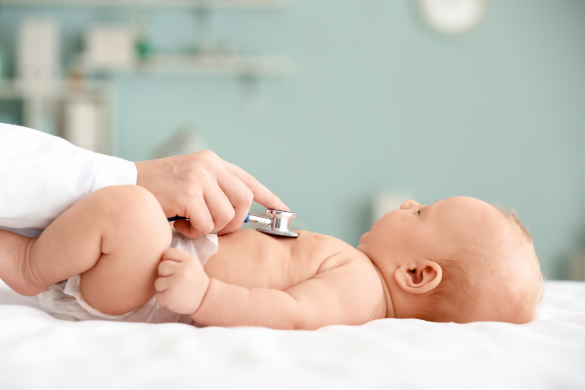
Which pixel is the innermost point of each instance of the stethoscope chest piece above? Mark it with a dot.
(278, 221)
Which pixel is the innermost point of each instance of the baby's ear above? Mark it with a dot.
(420, 277)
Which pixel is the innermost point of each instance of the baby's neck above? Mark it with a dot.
(387, 296)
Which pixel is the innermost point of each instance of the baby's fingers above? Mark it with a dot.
(167, 268)
(175, 254)
(161, 285)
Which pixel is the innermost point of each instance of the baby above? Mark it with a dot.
(458, 259)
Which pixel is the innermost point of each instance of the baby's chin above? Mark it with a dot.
(363, 236)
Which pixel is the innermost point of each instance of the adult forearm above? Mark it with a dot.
(43, 175)
(229, 305)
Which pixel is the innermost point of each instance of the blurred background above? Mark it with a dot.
(343, 108)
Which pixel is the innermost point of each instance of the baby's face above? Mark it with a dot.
(501, 271)
(419, 232)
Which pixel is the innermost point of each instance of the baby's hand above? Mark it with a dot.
(182, 283)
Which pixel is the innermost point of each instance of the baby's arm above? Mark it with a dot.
(349, 293)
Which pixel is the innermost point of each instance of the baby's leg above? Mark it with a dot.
(115, 238)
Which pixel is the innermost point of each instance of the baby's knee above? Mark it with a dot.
(127, 206)
(120, 200)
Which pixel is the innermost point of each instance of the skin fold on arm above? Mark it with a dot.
(344, 291)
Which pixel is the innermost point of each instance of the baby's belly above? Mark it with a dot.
(249, 258)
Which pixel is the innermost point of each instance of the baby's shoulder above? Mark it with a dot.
(330, 251)
(319, 243)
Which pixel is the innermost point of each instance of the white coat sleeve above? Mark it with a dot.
(42, 175)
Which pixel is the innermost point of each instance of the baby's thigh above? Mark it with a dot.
(119, 290)
(123, 278)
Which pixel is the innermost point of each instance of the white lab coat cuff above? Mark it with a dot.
(111, 171)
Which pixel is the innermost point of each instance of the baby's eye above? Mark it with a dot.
(418, 212)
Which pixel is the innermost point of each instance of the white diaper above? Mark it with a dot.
(65, 301)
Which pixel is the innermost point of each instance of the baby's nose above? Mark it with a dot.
(409, 204)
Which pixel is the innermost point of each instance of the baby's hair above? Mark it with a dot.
(534, 275)
(462, 295)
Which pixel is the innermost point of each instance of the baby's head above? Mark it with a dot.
(458, 259)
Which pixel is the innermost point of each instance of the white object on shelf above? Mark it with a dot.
(82, 123)
(38, 56)
(452, 16)
(40, 112)
(388, 200)
(110, 46)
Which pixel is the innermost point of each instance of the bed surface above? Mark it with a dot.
(40, 352)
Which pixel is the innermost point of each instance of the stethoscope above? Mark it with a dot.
(278, 222)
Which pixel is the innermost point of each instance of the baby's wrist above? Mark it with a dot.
(203, 292)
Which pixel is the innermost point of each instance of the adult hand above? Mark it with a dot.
(214, 194)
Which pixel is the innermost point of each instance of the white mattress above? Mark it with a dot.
(40, 352)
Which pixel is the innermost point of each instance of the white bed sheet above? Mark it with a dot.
(40, 352)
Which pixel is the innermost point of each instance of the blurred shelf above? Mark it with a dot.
(194, 65)
(13, 90)
(202, 4)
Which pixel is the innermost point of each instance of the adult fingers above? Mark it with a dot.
(240, 197)
(219, 206)
(262, 194)
(200, 221)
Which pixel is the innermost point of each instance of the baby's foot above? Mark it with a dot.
(16, 272)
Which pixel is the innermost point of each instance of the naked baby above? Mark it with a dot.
(458, 259)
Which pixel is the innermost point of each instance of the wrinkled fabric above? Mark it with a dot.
(38, 351)
(65, 301)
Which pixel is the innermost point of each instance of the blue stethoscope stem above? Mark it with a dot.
(278, 222)
(172, 219)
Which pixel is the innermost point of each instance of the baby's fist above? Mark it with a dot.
(182, 282)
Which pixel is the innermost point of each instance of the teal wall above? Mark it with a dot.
(378, 101)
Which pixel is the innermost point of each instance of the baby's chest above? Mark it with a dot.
(251, 259)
